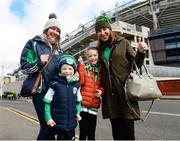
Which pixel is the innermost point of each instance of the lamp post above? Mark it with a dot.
(1, 81)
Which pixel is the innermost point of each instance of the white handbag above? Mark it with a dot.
(141, 87)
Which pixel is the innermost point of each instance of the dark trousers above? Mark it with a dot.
(63, 135)
(122, 129)
(87, 126)
(44, 132)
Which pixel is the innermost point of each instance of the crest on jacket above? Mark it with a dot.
(75, 90)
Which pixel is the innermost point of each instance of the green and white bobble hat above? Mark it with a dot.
(102, 22)
(69, 60)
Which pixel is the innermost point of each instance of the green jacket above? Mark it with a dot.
(113, 79)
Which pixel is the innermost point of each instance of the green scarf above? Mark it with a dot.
(74, 78)
(107, 49)
(106, 54)
(93, 68)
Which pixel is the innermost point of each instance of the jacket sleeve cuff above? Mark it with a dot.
(47, 111)
(139, 59)
(40, 64)
(81, 66)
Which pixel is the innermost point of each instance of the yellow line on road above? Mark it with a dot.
(23, 114)
(27, 116)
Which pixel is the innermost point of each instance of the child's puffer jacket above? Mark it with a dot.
(88, 87)
(63, 106)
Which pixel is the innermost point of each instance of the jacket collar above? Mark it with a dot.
(119, 38)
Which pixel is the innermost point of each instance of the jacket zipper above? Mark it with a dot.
(68, 107)
(108, 65)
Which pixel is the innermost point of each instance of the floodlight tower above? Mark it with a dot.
(154, 9)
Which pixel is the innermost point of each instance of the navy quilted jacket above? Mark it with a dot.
(63, 105)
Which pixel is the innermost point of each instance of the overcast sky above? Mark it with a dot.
(21, 20)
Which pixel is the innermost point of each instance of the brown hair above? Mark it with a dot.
(57, 44)
(112, 39)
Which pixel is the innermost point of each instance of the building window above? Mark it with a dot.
(146, 54)
(172, 47)
(147, 62)
(178, 44)
(138, 28)
(173, 52)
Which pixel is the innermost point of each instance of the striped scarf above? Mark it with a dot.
(93, 68)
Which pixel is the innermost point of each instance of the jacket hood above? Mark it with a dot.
(42, 38)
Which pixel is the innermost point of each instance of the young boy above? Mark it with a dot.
(91, 92)
(63, 100)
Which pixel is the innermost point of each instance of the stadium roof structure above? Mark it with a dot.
(167, 13)
(153, 14)
(148, 13)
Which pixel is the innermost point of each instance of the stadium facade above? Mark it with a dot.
(162, 17)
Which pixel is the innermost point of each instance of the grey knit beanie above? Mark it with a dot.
(52, 22)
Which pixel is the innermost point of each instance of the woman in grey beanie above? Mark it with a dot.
(35, 54)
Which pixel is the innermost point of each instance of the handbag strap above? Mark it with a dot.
(139, 71)
(51, 56)
(127, 98)
(134, 111)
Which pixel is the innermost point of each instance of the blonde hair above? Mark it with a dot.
(91, 48)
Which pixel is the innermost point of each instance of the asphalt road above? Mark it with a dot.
(163, 122)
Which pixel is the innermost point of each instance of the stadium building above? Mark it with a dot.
(162, 17)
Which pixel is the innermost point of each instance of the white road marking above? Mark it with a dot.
(166, 114)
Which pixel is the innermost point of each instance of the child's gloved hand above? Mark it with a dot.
(51, 123)
(78, 117)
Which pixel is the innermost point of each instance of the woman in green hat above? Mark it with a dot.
(116, 56)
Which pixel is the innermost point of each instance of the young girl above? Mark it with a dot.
(91, 92)
(63, 100)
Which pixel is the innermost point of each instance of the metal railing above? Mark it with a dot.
(90, 25)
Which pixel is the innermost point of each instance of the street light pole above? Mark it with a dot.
(1, 81)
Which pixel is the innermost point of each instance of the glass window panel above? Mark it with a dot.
(178, 44)
(170, 45)
(173, 52)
